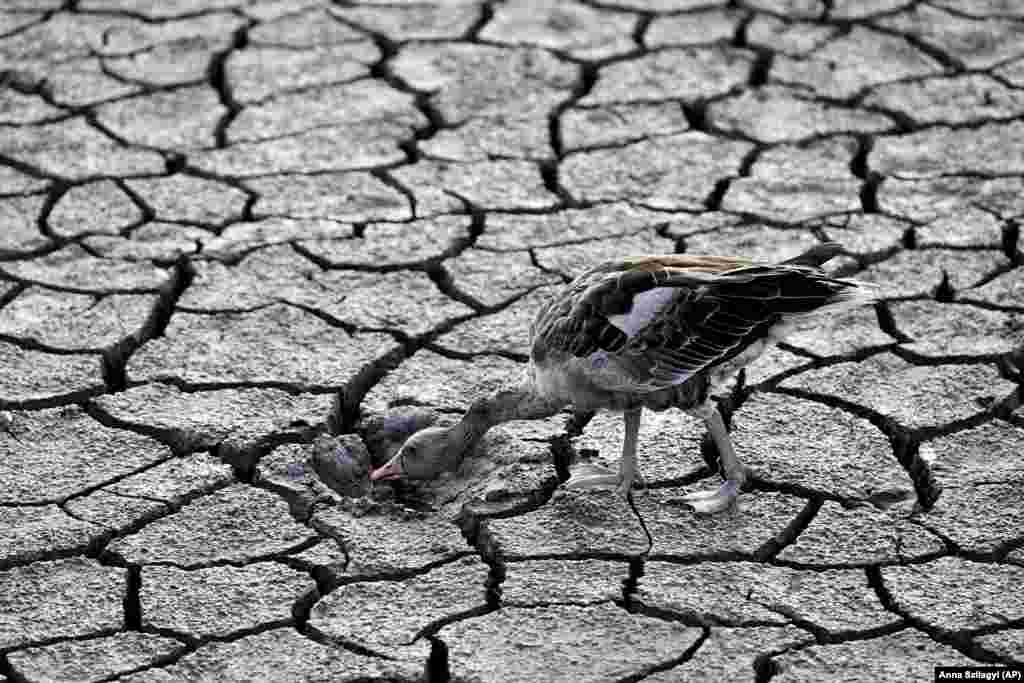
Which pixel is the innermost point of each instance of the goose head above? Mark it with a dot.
(424, 455)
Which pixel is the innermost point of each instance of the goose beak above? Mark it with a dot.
(390, 470)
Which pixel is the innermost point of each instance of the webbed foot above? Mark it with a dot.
(587, 476)
(713, 502)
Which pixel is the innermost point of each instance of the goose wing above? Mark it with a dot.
(659, 320)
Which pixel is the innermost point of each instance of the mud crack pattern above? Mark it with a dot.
(248, 246)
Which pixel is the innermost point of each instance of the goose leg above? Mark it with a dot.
(627, 465)
(711, 502)
(595, 476)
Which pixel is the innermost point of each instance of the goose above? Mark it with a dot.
(654, 331)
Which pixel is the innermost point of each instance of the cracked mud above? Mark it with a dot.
(249, 246)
